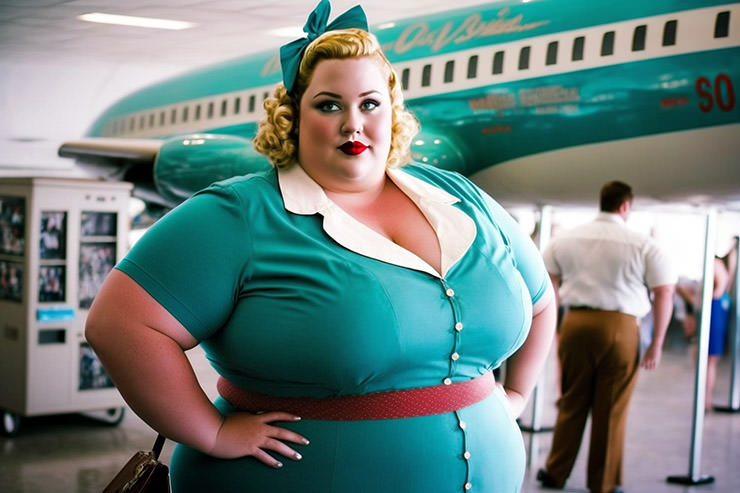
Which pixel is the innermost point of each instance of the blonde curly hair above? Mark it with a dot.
(276, 135)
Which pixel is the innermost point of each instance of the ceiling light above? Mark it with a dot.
(127, 20)
(287, 32)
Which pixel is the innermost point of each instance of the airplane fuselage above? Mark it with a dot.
(538, 102)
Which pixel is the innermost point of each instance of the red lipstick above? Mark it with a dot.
(353, 148)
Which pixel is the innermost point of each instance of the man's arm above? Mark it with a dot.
(662, 311)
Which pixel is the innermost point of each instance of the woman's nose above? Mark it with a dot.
(352, 123)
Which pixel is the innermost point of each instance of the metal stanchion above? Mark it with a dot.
(695, 477)
(733, 405)
(538, 392)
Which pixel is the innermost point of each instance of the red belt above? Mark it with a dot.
(423, 401)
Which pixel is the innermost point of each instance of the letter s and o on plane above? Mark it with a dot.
(721, 92)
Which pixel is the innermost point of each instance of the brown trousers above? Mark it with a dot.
(598, 352)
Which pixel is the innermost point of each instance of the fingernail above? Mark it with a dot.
(279, 465)
(296, 418)
(305, 441)
(298, 456)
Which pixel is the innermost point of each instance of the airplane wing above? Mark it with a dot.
(166, 172)
(93, 148)
(117, 159)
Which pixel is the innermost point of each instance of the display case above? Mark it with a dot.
(59, 238)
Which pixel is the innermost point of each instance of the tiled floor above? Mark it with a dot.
(70, 453)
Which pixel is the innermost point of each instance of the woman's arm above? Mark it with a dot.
(523, 367)
(142, 346)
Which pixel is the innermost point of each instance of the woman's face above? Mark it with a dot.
(344, 129)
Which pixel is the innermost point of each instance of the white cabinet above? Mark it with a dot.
(58, 239)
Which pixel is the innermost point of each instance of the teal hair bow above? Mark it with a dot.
(291, 53)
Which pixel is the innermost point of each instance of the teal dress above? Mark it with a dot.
(290, 296)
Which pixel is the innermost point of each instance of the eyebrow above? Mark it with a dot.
(337, 96)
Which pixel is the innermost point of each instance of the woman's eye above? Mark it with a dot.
(370, 105)
(327, 106)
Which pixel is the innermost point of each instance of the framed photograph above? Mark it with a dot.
(96, 261)
(11, 281)
(92, 373)
(98, 223)
(52, 280)
(12, 225)
(53, 238)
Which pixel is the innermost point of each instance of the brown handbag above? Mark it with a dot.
(143, 473)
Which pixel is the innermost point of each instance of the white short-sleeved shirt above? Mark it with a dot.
(606, 265)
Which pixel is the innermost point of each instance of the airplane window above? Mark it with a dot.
(265, 95)
(173, 116)
(607, 44)
(131, 124)
(185, 114)
(405, 79)
(426, 76)
(151, 120)
(142, 121)
(578, 45)
(237, 105)
(224, 107)
(472, 67)
(524, 58)
(722, 25)
(498, 62)
(251, 103)
(210, 110)
(552, 53)
(161, 118)
(669, 33)
(449, 70)
(638, 39)
(197, 112)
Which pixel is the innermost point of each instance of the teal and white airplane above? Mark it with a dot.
(539, 102)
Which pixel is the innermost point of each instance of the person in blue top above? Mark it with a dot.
(353, 303)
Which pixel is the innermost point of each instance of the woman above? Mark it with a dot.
(344, 299)
(719, 320)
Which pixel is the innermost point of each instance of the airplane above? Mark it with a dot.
(538, 102)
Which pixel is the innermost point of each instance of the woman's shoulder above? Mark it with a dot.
(455, 184)
(446, 179)
(245, 188)
(266, 179)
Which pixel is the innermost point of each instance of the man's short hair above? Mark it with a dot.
(613, 195)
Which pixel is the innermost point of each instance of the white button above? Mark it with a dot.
(447, 381)
(466, 455)
(462, 425)
(455, 356)
(458, 326)
(450, 292)
(468, 486)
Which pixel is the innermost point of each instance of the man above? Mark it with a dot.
(606, 276)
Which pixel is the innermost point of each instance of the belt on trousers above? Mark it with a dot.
(406, 403)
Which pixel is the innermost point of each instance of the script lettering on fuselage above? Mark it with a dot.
(271, 67)
(420, 35)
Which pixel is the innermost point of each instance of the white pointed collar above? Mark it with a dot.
(455, 229)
